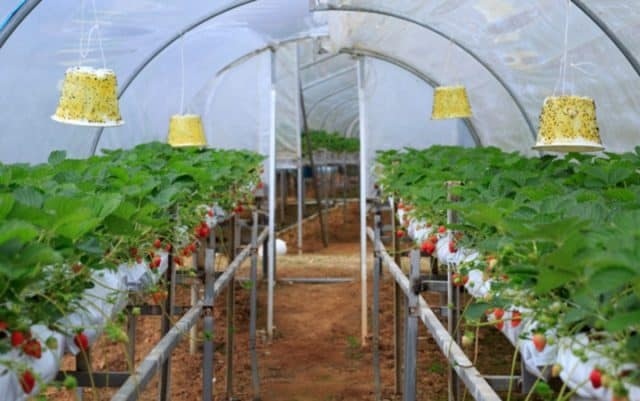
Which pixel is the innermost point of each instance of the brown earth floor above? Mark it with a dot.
(316, 353)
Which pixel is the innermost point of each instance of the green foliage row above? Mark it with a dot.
(60, 219)
(333, 142)
(565, 232)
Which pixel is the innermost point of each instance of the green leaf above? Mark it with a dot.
(57, 156)
(549, 279)
(475, 311)
(6, 204)
(20, 230)
(610, 278)
(39, 255)
(106, 204)
(75, 225)
(29, 196)
(622, 321)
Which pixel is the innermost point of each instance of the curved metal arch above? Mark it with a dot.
(334, 107)
(13, 24)
(427, 79)
(328, 96)
(342, 123)
(610, 34)
(352, 125)
(160, 49)
(457, 43)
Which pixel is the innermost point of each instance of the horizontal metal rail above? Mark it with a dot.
(478, 387)
(130, 390)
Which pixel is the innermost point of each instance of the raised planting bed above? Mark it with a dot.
(548, 246)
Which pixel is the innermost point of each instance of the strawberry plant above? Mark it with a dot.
(562, 234)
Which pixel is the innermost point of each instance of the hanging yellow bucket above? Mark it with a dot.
(186, 130)
(450, 102)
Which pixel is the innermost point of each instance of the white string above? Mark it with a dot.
(578, 66)
(97, 26)
(565, 57)
(448, 59)
(182, 73)
(81, 54)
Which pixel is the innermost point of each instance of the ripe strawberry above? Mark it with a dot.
(516, 318)
(442, 229)
(178, 261)
(202, 230)
(452, 247)
(133, 252)
(428, 247)
(157, 243)
(400, 233)
(556, 369)
(168, 247)
(539, 341)
(17, 338)
(32, 348)
(239, 209)
(433, 238)
(210, 212)
(596, 378)
(81, 341)
(260, 185)
(400, 205)
(498, 313)
(27, 381)
(3, 326)
(155, 262)
(500, 325)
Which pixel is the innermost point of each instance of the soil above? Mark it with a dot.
(316, 353)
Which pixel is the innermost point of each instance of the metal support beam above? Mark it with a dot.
(363, 200)
(335, 107)
(253, 308)
(329, 77)
(411, 333)
(14, 22)
(628, 54)
(155, 53)
(329, 96)
(424, 77)
(318, 61)
(375, 310)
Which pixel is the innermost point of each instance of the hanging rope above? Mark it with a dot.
(95, 28)
(182, 73)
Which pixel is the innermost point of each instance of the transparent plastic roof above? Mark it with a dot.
(509, 53)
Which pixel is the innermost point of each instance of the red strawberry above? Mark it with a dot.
(17, 338)
(428, 247)
(133, 252)
(400, 205)
(442, 229)
(27, 381)
(32, 348)
(159, 296)
(498, 313)
(452, 247)
(500, 325)
(516, 318)
(203, 230)
(81, 341)
(210, 212)
(168, 247)
(260, 185)
(157, 243)
(539, 341)
(596, 378)
(155, 262)
(459, 280)
(400, 233)
(3, 325)
(177, 260)
(434, 239)
(238, 209)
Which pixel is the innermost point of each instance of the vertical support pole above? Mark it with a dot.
(132, 324)
(453, 302)
(165, 379)
(300, 204)
(397, 310)
(253, 308)
(231, 297)
(208, 362)
(411, 332)
(283, 194)
(375, 312)
(363, 199)
(193, 332)
(272, 199)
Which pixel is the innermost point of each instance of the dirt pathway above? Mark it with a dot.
(316, 354)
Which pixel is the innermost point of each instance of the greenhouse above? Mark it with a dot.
(319, 200)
